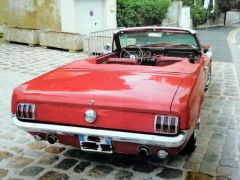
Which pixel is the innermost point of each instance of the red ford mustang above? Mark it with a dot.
(141, 97)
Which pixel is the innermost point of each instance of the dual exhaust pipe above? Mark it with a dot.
(50, 138)
(144, 152)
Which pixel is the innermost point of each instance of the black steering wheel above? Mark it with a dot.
(132, 56)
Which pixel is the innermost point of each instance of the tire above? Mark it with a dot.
(208, 79)
(191, 144)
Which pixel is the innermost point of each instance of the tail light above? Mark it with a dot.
(166, 124)
(26, 111)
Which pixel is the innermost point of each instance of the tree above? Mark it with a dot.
(132, 13)
(225, 6)
(198, 13)
(237, 4)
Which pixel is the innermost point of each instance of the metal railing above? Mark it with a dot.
(97, 40)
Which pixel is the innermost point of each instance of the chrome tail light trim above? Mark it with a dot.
(165, 122)
(26, 111)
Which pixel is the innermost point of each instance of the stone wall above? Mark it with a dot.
(172, 16)
(178, 16)
(32, 14)
(233, 17)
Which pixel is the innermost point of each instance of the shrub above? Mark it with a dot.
(141, 12)
(199, 14)
(216, 13)
(188, 3)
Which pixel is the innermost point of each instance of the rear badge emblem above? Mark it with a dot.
(90, 116)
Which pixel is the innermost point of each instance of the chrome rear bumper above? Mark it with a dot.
(119, 136)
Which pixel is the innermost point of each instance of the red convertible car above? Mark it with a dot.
(141, 97)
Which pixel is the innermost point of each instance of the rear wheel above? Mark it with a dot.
(191, 144)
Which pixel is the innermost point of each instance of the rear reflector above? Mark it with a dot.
(26, 111)
(166, 124)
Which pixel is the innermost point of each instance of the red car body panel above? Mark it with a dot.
(67, 90)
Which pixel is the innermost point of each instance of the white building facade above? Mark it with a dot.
(86, 16)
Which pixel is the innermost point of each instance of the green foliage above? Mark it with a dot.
(141, 12)
(216, 13)
(199, 14)
(188, 2)
(191, 3)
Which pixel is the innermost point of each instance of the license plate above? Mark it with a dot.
(95, 144)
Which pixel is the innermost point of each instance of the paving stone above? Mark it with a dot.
(17, 149)
(100, 171)
(201, 149)
(216, 144)
(81, 166)
(229, 163)
(100, 158)
(209, 168)
(169, 173)
(198, 176)
(32, 153)
(215, 111)
(230, 141)
(54, 149)
(191, 166)
(210, 157)
(157, 161)
(222, 178)
(144, 167)
(221, 129)
(214, 149)
(53, 175)
(202, 141)
(31, 171)
(66, 164)
(176, 162)
(217, 136)
(5, 155)
(37, 145)
(74, 153)
(229, 148)
(3, 173)
(195, 158)
(226, 171)
(7, 136)
(222, 124)
(123, 175)
(122, 161)
(20, 161)
(48, 159)
(22, 140)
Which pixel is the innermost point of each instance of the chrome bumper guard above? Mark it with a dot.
(119, 136)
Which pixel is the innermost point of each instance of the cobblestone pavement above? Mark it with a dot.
(216, 156)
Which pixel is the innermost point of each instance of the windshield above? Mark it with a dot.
(157, 39)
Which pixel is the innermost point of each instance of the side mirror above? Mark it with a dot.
(107, 49)
(205, 50)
